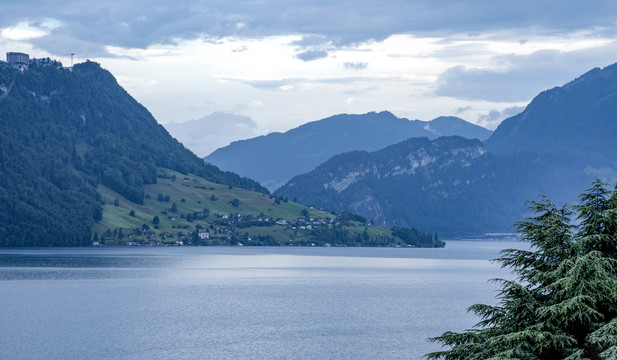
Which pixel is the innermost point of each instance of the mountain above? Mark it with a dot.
(579, 117)
(64, 132)
(83, 163)
(451, 185)
(275, 158)
(454, 126)
(559, 144)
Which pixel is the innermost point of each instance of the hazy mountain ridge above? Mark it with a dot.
(275, 158)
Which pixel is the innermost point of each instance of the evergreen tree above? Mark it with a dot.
(563, 304)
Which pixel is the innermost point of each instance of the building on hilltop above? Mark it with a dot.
(22, 61)
(18, 60)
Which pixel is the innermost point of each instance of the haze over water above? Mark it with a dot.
(240, 303)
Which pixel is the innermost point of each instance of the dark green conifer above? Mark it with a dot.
(563, 304)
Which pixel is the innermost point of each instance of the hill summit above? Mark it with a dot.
(65, 131)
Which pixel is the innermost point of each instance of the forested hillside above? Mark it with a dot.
(450, 185)
(63, 132)
(579, 118)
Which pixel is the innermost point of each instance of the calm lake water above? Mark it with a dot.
(240, 302)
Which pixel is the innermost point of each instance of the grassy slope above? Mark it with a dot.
(197, 193)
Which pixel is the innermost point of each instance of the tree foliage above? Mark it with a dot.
(417, 238)
(563, 303)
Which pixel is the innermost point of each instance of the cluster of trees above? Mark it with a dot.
(418, 238)
(347, 216)
(64, 132)
(563, 303)
(262, 240)
(341, 236)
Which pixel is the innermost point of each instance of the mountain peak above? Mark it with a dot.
(577, 117)
(452, 126)
(301, 149)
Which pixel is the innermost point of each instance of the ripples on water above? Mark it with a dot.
(239, 303)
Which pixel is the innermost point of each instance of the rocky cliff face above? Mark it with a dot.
(450, 185)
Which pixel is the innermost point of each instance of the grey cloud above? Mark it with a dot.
(356, 65)
(462, 110)
(266, 84)
(311, 40)
(240, 49)
(140, 23)
(458, 50)
(204, 135)
(495, 117)
(361, 90)
(310, 55)
(312, 47)
(511, 111)
(297, 82)
(479, 84)
(62, 43)
(522, 76)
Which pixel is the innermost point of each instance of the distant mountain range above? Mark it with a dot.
(275, 158)
(563, 140)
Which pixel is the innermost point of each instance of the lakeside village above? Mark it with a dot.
(236, 229)
(217, 217)
(226, 229)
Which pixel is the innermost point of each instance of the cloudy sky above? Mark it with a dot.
(236, 69)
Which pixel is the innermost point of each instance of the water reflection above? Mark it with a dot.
(240, 303)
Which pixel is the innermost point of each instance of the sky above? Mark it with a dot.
(223, 70)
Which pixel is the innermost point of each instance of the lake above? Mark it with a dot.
(240, 302)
